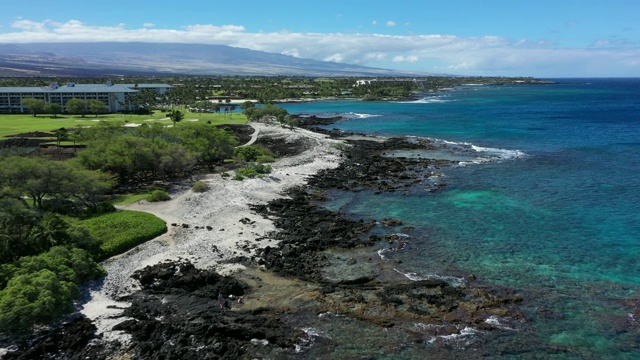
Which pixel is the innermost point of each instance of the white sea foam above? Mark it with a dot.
(496, 321)
(427, 100)
(309, 340)
(402, 235)
(423, 326)
(452, 280)
(501, 153)
(465, 337)
(476, 154)
(355, 115)
(263, 342)
(329, 313)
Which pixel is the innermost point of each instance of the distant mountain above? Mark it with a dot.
(122, 58)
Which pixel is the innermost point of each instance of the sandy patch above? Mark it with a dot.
(221, 210)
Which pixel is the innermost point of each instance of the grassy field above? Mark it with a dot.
(127, 199)
(13, 124)
(123, 230)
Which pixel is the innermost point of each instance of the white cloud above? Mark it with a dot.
(401, 58)
(391, 23)
(334, 58)
(28, 25)
(291, 52)
(483, 55)
(374, 22)
(147, 24)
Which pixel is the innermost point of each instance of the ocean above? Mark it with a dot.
(548, 206)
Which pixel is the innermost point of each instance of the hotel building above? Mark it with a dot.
(115, 96)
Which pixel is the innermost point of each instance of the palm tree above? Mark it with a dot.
(52, 231)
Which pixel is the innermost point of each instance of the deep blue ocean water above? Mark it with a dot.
(557, 219)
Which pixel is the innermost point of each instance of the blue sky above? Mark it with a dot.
(561, 38)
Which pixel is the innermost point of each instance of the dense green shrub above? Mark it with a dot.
(264, 159)
(200, 186)
(101, 208)
(60, 206)
(123, 230)
(252, 152)
(31, 299)
(158, 195)
(252, 171)
(39, 289)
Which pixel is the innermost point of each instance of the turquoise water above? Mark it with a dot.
(559, 223)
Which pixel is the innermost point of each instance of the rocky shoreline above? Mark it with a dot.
(314, 261)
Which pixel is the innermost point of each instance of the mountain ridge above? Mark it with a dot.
(141, 58)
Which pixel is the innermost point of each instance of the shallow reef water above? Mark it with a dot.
(551, 214)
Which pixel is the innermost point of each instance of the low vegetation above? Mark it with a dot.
(38, 289)
(57, 219)
(158, 195)
(253, 153)
(123, 230)
(252, 171)
(200, 186)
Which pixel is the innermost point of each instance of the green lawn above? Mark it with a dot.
(12, 124)
(123, 230)
(127, 199)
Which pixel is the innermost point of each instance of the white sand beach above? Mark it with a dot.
(221, 208)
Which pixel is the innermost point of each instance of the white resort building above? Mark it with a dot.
(115, 96)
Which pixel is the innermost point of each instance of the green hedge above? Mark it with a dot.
(123, 230)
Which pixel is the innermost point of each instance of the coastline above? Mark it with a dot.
(223, 209)
(289, 261)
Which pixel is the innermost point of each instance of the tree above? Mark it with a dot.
(40, 178)
(61, 135)
(77, 106)
(248, 153)
(97, 107)
(210, 144)
(289, 121)
(52, 230)
(36, 106)
(88, 187)
(202, 106)
(53, 109)
(265, 112)
(176, 116)
(246, 105)
(17, 220)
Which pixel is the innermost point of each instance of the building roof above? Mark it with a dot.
(70, 88)
(147, 85)
(83, 88)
